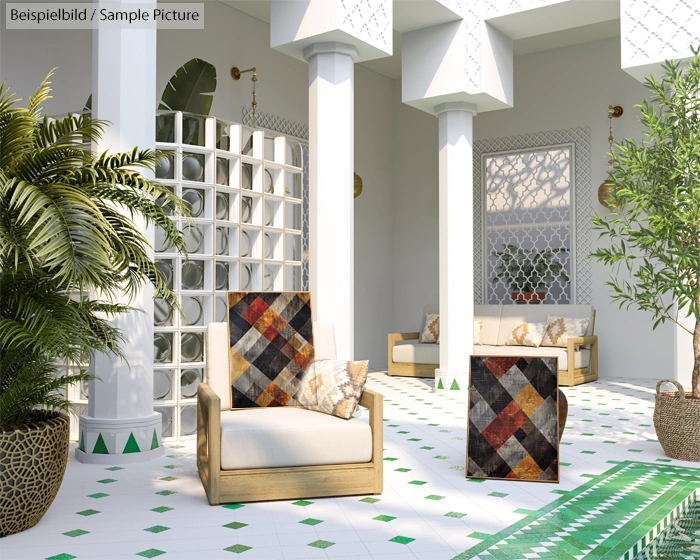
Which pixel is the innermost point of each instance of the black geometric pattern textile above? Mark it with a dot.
(513, 419)
(271, 346)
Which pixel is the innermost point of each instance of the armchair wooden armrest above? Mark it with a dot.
(572, 343)
(209, 440)
(374, 402)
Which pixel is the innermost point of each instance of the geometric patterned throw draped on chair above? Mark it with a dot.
(271, 346)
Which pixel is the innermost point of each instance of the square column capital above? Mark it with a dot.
(365, 25)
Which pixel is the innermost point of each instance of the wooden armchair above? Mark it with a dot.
(268, 479)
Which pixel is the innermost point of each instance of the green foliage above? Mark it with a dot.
(191, 88)
(528, 270)
(69, 248)
(654, 231)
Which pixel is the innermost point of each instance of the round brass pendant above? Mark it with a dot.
(605, 194)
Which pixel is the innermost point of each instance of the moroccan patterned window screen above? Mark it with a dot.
(528, 225)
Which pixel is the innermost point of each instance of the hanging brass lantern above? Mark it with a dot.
(605, 196)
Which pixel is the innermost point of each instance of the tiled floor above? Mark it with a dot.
(617, 490)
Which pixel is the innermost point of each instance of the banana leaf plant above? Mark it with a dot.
(69, 248)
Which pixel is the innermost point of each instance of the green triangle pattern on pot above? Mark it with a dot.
(440, 384)
(154, 441)
(454, 386)
(100, 447)
(131, 445)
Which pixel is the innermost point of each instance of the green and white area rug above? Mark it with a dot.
(680, 540)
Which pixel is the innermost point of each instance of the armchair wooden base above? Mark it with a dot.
(252, 485)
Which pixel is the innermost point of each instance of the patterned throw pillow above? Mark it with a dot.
(431, 329)
(333, 386)
(527, 334)
(559, 329)
(477, 333)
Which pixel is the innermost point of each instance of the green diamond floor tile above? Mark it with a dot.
(161, 509)
(238, 548)
(169, 478)
(455, 514)
(302, 503)
(150, 553)
(402, 469)
(385, 518)
(391, 458)
(321, 544)
(107, 481)
(311, 521)
(435, 497)
(114, 468)
(172, 466)
(402, 540)
(76, 533)
(87, 512)
(418, 482)
(62, 556)
(370, 500)
(166, 492)
(498, 494)
(232, 506)
(157, 529)
(98, 495)
(235, 525)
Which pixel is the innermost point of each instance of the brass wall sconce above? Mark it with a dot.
(605, 190)
(236, 75)
(357, 188)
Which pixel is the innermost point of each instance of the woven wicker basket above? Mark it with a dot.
(677, 422)
(33, 459)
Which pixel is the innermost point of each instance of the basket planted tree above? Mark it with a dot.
(654, 229)
(69, 248)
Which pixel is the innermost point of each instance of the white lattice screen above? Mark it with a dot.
(528, 225)
(246, 191)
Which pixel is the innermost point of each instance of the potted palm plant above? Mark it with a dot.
(654, 233)
(68, 248)
(528, 272)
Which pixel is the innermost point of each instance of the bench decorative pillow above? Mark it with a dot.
(527, 334)
(431, 329)
(559, 329)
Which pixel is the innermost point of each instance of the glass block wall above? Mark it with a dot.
(248, 230)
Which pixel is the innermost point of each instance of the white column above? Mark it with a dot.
(121, 426)
(331, 210)
(456, 244)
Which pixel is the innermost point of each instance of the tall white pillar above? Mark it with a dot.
(456, 243)
(331, 209)
(121, 426)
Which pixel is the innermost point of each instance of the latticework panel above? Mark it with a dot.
(578, 265)
(528, 225)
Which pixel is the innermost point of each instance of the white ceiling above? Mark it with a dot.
(601, 23)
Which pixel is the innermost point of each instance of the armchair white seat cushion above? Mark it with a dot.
(291, 437)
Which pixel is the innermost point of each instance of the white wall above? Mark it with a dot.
(231, 38)
(558, 89)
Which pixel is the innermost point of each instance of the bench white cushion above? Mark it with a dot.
(412, 352)
(582, 356)
(291, 437)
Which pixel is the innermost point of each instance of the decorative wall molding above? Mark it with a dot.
(278, 124)
(369, 20)
(582, 199)
(653, 32)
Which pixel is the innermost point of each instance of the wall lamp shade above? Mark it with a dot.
(357, 188)
(605, 196)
